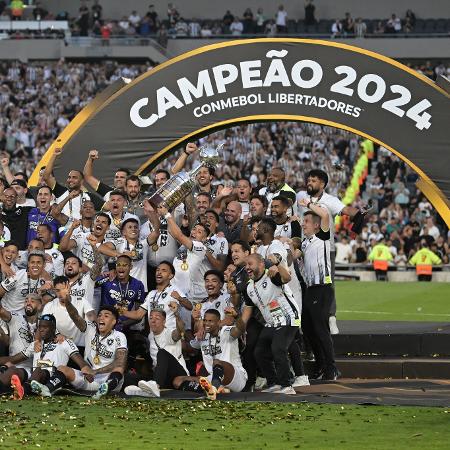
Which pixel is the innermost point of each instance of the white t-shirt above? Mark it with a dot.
(57, 266)
(245, 209)
(160, 300)
(72, 208)
(281, 18)
(165, 341)
(223, 347)
(114, 234)
(139, 268)
(218, 245)
(84, 249)
(83, 288)
(21, 335)
(332, 203)
(104, 347)
(343, 253)
(197, 266)
(219, 303)
(167, 245)
(18, 287)
(58, 354)
(276, 303)
(64, 323)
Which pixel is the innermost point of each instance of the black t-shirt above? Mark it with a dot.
(17, 222)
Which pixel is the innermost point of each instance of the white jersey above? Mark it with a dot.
(316, 267)
(21, 335)
(197, 265)
(139, 250)
(289, 230)
(104, 347)
(277, 247)
(167, 245)
(274, 300)
(83, 288)
(223, 347)
(217, 245)
(114, 234)
(219, 304)
(53, 353)
(72, 208)
(271, 195)
(17, 288)
(64, 323)
(245, 209)
(160, 300)
(22, 261)
(84, 250)
(57, 264)
(165, 341)
(332, 203)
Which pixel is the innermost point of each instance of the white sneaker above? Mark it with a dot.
(287, 390)
(40, 389)
(301, 380)
(260, 383)
(136, 391)
(151, 387)
(275, 387)
(333, 325)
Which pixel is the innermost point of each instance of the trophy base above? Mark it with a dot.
(155, 200)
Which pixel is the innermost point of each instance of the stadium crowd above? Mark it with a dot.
(103, 291)
(92, 21)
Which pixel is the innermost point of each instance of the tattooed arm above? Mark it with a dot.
(118, 365)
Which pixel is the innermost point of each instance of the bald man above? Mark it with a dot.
(230, 222)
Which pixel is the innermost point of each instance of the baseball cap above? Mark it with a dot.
(18, 182)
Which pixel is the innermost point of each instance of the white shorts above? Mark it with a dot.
(81, 383)
(239, 380)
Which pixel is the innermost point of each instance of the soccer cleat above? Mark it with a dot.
(273, 388)
(18, 391)
(40, 389)
(333, 325)
(260, 383)
(102, 390)
(136, 391)
(210, 390)
(287, 390)
(301, 380)
(150, 387)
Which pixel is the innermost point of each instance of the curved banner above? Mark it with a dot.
(262, 80)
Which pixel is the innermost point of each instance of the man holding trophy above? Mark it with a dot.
(191, 264)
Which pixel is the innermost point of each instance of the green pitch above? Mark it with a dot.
(75, 423)
(393, 301)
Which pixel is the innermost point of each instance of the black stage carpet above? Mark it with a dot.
(345, 391)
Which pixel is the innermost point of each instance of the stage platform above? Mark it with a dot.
(346, 391)
(382, 349)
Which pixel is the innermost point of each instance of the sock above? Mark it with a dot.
(217, 376)
(27, 388)
(114, 380)
(57, 381)
(192, 386)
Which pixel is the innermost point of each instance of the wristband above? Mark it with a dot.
(167, 216)
(185, 152)
(308, 204)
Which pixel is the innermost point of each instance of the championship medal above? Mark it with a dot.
(184, 266)
(198, 306)
(133, 253)
(155, 247)
(96, 359)
(116, 222)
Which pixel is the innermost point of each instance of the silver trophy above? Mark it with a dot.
(175, 190)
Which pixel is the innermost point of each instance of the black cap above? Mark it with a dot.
(48, 318)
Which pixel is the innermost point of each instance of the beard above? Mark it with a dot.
(311, 191)
(29, 312)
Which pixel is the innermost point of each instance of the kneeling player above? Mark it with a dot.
(105, 350)
(220, 351)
